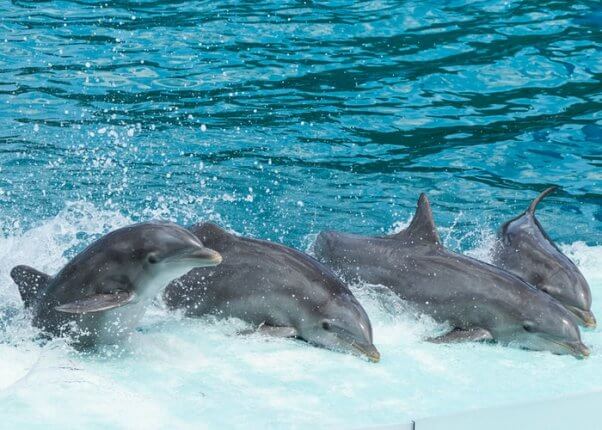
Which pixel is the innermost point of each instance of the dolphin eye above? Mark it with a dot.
(537, 279)
(528, 327)
(326, 325)
(152, 258)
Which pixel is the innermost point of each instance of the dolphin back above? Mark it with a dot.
(211, 235)
(30, 283)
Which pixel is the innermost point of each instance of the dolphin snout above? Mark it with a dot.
(369, 351)
(589, 320)
(206, 257)
(579, 350)
(582, 351)
(585, 317)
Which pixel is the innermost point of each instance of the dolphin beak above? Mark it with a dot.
(579, 350)
(369, 351)
(590, 320)
(586, 318)
(576, 349)
(206, 257)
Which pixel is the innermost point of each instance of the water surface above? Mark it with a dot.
(279, 120)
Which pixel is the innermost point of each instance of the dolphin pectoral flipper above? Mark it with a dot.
(97, 303)
(278, 331)
(460, 335)
(30, 282)
(273, 331)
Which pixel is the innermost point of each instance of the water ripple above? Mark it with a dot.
(124, 103)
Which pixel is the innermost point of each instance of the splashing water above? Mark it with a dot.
(280, 119)
(187, 373)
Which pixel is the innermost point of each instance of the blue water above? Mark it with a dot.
(279, 120)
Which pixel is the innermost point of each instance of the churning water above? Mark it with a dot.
(280, 120)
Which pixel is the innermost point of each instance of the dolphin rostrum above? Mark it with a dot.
(526, 250)
(479, 301)
(101, 294)
(281, 290)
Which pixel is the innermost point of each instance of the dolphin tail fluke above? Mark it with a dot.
(30, 282)
(535, 202)
(422, 227)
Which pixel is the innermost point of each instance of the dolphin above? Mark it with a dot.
(526, 250)
(278, 289)
(479, 301)
(101, 294)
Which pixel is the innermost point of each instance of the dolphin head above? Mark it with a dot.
(566, 283)
(165, 251)
(544, 325)
(170, 246)
(341, 324)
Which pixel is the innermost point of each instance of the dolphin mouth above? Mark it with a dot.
(585, 317)
(577, 350)
(367, 350)
(204, 257)
(580, 350)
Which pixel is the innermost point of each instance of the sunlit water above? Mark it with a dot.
(280, 120)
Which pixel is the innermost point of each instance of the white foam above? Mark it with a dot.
(185, 373)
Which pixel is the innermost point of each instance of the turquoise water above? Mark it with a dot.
(279, 120)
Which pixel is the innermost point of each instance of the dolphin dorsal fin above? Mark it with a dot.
(422, 228)
(531, 209)
(30, 282)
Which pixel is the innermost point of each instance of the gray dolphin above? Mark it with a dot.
(526, 250)
(283, 291)
(480, 301)
(101, 294)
